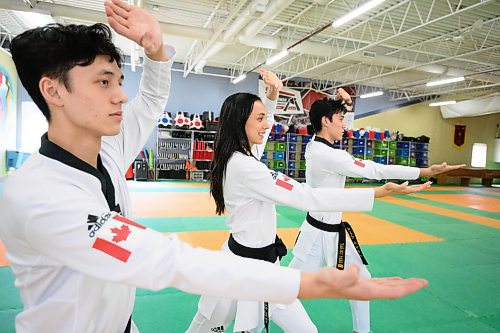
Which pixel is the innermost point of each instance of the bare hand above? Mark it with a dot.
(136, 24)
(393, 188)
(343, 95)
(333, 283)
(439, 168)
(271, 80)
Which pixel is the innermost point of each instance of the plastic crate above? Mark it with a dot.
(402, 153)
(380, 159)
(413, 162)
(358, 151)
(291, 156)
(392, 152)
(292, 147)
(392, 145)
(413, 145)
(422, 146)
(278, 155)
(279, 146)
(279, 165)
(292, 165)
(302, 165)
(293, 137)
(302, 173)
(421, 154)
(402, 160)
(403, 145)
(392, 160)
(369, 143)
(291, 173)
(421, 163)
(381, 144)
(306, 138)
(359, 142)
(369, 151)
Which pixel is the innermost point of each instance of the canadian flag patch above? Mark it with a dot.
(282, 180)
(359, 163)
(117, 237)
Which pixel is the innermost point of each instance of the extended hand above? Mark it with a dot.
(440, 168)
(333, 283)
(136, 24)
(271, 80)
(343, 95)
(393, 188)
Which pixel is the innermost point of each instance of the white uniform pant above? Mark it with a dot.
(315, 260)
(290, 318)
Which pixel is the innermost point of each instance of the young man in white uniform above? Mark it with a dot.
(248, 190)
(322, 239)
(76, 258)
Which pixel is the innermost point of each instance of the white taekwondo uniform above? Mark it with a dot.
(77, 263)
(251, 191)
(327, 167)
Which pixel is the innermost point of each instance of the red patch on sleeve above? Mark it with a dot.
(359, 163)
(112, 249)
(284, 184)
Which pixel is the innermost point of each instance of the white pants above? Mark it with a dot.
(291, 318)
(315, 260)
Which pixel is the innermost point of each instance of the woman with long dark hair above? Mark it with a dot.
(248, 191)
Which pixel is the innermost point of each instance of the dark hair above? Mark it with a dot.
(54, 49)
(231, 137)
(324, 108)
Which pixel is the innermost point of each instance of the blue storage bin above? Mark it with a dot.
(422, 163)
(369, 144)
(369, 151)
(264, 155)
(303, 148)
(413, 145)
(292, 165)
(345, 142)
(293, 137)
(402, 153)
(291, 173)
(278, 155)
(358, 151)
(292, 147)
(421, 154)
(306, 138)
(359, 142)
(302, 173)
(280, 137)
(403, 145)
(422, 146)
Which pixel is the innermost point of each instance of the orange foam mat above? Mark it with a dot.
(465, 200)
(443, 211)
(172, 204)
(369, 230)
(3, 256)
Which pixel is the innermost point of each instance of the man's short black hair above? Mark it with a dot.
(53, 50)
(324, 108)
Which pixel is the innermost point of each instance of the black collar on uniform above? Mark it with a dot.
(51, 150)
(323, 140)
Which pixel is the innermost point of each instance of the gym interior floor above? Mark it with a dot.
(448, 235)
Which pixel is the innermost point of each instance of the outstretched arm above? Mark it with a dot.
(333, 283)
(393, 189)
(439, 168)
(137, 25)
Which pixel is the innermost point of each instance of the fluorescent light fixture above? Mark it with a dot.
(373, 94)
(276, 57)
(444, 81)
(356, 12)
(479, 155)
(239, 78)
(442, 103)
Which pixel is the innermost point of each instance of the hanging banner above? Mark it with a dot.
(459, 136)
(289, 100)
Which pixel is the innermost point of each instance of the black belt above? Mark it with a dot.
(341, 229)
(129, 324)
(268, 253)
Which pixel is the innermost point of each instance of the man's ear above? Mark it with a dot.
(325, 121)
(50, 91)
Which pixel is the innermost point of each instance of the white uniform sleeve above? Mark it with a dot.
(275, 187)
(343, 163)
(110, 247)
(142, 112)
(258, 150)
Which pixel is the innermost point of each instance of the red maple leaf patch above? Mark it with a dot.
(121, 234)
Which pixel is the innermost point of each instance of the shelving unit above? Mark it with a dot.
(285, 152)
(183, 154)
